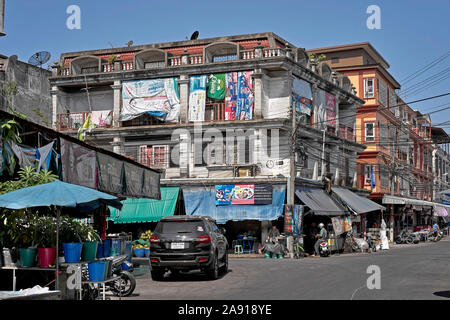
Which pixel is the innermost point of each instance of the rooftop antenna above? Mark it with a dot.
(39, 58)
(194, 36)
(111, 45)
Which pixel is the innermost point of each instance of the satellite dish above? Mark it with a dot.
(194, 35)
(130, 43)
(39, 58)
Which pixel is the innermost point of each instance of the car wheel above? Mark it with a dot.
(157, 274)
(224, 268)
(213, 270)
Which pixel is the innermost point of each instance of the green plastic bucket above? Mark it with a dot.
(89, 252)
(28, 256)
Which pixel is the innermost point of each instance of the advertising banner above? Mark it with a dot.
(239, 96)
(330, 102)
(197, 98)
(216, 86)
(243, 194)
(157, 97)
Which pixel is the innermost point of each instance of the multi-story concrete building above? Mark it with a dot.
(398, 159)
(236, 110)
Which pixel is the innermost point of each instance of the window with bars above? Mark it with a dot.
(156, 156)
(368, 88)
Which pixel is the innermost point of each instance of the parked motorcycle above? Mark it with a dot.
(123, 286)
(433, 238)
(324, 249)
(404, 237)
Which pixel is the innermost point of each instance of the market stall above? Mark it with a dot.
(58, 195)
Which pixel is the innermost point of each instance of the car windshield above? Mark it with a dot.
(181, 226)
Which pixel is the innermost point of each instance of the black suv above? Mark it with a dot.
(187, 243)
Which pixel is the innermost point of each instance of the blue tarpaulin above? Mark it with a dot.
(202, 201)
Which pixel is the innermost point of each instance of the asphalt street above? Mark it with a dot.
(419, 271)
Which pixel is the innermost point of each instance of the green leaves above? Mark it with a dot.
(28, 177)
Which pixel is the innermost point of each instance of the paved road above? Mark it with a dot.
(419, 271)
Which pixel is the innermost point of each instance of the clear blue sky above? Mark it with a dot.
(413, 33)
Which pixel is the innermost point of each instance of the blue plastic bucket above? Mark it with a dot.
(147, 252)
(97, 270)
(106, 248)
(117, 244)
(128, 248)
(72, 251)
(100, 250)
(139, 252)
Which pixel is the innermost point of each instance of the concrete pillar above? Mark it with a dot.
(184, 98)
(55, 120)
(117, 87)
(118, 145)
(258, 91)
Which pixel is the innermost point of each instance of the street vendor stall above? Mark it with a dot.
(57, 195)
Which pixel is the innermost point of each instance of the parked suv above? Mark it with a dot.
(187, 243)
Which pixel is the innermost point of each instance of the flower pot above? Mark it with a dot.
(97, 270)
(72, 251)
(47, 257)
(106, 248)
(89, 251)
(100, 250)
(28, 257)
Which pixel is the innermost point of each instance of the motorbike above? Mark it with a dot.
(404, 237)
(123, 286)
(372, 246)
(324, 249)
(431, 237)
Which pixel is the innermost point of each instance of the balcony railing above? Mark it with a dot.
(177, 61)
(346, 133)
(74, 120)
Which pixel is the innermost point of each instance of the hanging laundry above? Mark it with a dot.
(101, 118)
(26, 156)
(87, 126)
(43, 154)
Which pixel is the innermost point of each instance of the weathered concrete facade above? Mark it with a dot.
(270, 147)
(32, 96)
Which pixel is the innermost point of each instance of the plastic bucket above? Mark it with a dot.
(47, 257)
(267, 255)
(128, 248)
(28, 256)
(147, 252)
(106, 248)
(139, 252)
(100, 250)
(117, 245)
(72, 251)
(89, 251)
(97, 271)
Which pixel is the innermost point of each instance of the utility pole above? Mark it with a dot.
(2, 18)
(323, 154)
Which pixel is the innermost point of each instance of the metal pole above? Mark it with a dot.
(57, 249)
(2, 18)
(323, 153)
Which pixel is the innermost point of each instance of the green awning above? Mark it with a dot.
(146, 210)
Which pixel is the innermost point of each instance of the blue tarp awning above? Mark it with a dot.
(202, 201)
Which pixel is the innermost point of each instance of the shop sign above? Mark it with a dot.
(230, 194)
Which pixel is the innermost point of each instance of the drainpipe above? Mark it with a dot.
(2, 18)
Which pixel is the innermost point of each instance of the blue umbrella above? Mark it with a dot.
(58, 194)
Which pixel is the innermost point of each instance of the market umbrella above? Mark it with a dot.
(58, 194)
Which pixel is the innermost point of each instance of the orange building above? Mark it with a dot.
(398, 159)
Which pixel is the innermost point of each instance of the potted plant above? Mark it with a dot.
(46, 226)
(90, 242)
(72, 242)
